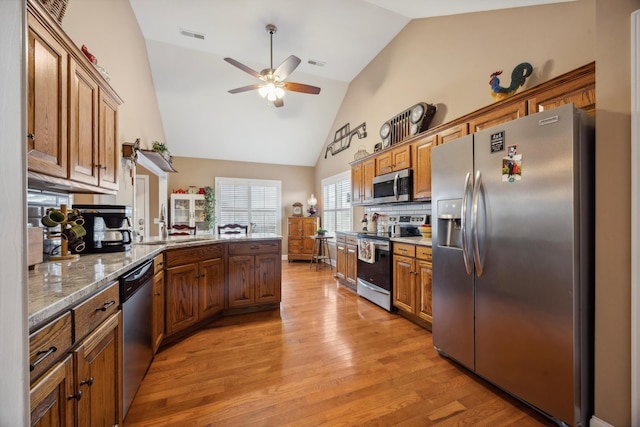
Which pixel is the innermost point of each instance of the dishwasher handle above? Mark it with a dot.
(134, 280)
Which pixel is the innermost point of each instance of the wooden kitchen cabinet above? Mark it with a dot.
(194, 286)
(396, 159)
(99, 375)
(300, 237)
(362, 175)
(346, 259)
(157, 306)
(47, 67)
(83, 385)
(72, 122)
(495, 116)
(412, 282)
(254, 274)
(49, 397)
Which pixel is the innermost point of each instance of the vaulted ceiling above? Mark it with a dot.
(202, 119)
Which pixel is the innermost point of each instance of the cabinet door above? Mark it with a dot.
(402, 158)
(422, 167)
(211, 287)
(47, 64)
(384, 163)
(157, 307)
(49, 397)
(341, 260)
(309, 227)
(452, 133)
(404, 283)
(498, 115)
(98, 375)
(352, 264)
(107, 143)
(180, 209)
(582, 92)
(83, 125)
(181, 297)
(425, 281)
(295, 244)
(241, 281)
(356, 184)
(368, 173)
(267, 278)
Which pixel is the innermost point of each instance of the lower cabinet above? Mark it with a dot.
(346, 259)
(79, 382)
(157, 305)
(98, 362)
(194, 285)
(254, 274)
(50, 403)
(412, 282)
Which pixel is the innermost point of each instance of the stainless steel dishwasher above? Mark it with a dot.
(136, 297)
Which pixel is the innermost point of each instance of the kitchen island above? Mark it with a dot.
(56, 286)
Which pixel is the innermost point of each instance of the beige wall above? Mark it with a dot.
(613, 212)
(297, 181)
(110, 31)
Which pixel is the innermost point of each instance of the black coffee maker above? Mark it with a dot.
(108, 227)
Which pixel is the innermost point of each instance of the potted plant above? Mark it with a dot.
(161, 148)
(321, 231)
(209, 207)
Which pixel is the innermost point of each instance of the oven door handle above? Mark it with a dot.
(373, 289)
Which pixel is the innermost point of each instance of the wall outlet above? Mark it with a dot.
(156, 220)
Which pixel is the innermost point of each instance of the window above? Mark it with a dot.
(254, 202)
(336, 195)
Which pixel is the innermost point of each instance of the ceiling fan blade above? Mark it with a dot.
(244, 68)
(246, 88)
(279, 102)
(287, 67)
(299, 87)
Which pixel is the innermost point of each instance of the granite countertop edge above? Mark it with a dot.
(54, 287)
(413, 240)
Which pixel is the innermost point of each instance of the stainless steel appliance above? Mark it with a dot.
(108, 227)
(375, 273)
(136, 297)
(513, 255)
(393, 187)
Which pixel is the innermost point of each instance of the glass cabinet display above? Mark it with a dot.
(188, 209)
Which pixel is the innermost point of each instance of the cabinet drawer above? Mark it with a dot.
(88, 315)
(48, 344)
(254, 248)
(158, 263)
(351, 240)
(423, 252)
(190, 255)
(404, 249)
(341, 238)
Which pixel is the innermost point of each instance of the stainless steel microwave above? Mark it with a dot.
(393, 187)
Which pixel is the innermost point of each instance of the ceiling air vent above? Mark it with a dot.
(193, 34)
(316, 62)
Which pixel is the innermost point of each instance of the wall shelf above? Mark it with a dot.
(151, 159)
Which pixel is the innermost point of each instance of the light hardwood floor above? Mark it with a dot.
(326, 358)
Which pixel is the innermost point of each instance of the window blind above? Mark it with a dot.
(249, 202)
(336, 191)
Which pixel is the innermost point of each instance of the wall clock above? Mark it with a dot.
(297, 209)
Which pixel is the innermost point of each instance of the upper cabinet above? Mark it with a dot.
(72, 113)
(577, 86)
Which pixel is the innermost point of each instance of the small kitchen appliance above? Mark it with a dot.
(393, 187)
(108, 227)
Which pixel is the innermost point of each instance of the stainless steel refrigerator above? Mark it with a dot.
(513, 254)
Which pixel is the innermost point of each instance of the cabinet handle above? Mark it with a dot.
(76, 396)
(254, 247)
(88, 382)
(106, 305)
(157, 294)
(100, 166)
(32, 137)
(43, 355)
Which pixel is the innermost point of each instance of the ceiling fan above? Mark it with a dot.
(273, 85)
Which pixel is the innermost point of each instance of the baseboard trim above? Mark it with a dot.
(597, 422)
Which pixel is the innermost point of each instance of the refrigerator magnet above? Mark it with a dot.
(512, 165)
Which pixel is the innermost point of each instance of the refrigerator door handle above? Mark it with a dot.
(463, 227)
(474, 223)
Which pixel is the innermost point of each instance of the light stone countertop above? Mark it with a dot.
(56, 286)
(413, 240)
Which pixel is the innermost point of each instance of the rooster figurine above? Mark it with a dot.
(518, 77)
